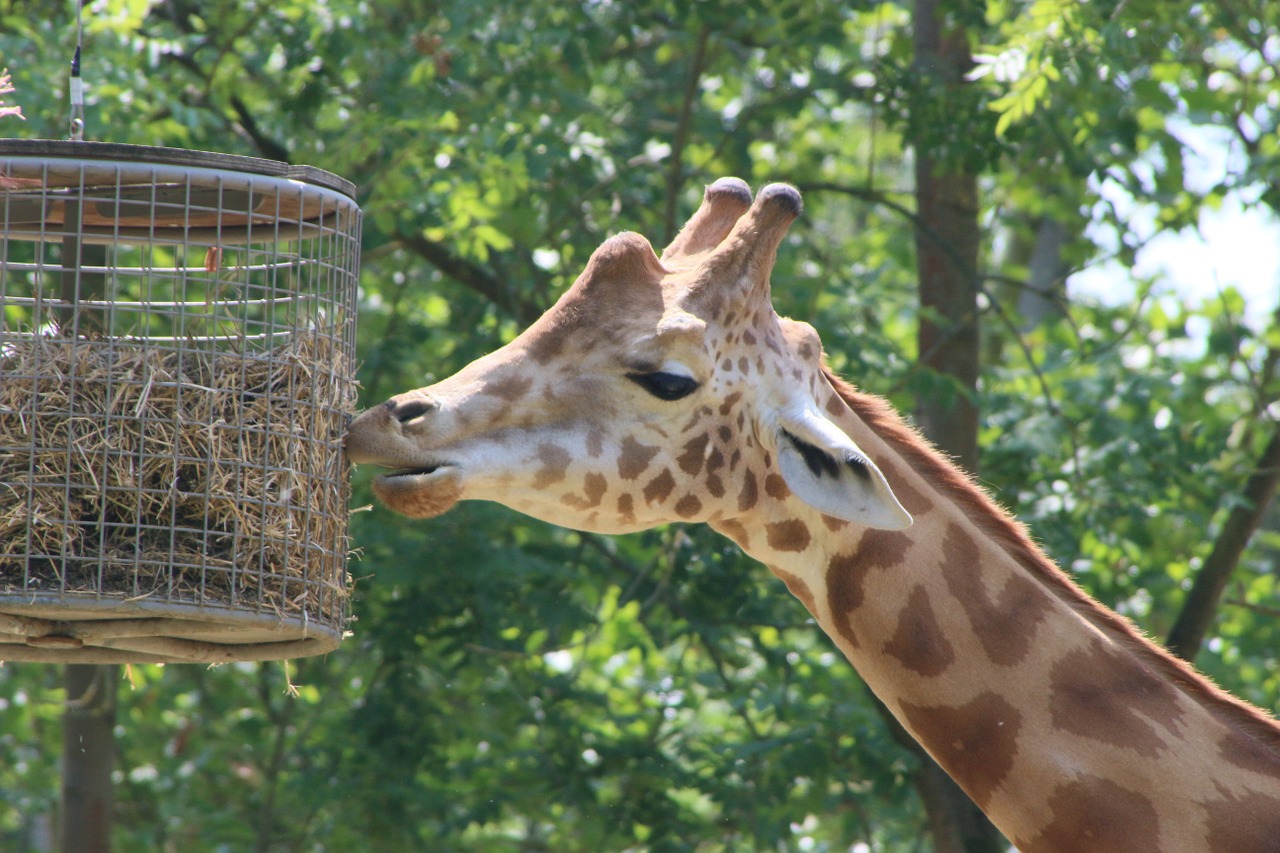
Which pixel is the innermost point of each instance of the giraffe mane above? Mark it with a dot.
(999, 526)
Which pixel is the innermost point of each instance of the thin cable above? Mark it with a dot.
(77, 84)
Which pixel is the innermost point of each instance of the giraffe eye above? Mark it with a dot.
(665, 386)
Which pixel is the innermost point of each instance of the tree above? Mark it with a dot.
(948, 241)
(667, 691)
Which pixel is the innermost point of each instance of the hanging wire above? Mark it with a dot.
(77, 84)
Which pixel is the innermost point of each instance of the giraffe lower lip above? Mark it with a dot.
(423, 492)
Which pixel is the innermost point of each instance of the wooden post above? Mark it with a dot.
(88, 756)
(88, 721)
(79, 285)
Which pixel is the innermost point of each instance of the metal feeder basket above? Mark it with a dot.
(176, 374)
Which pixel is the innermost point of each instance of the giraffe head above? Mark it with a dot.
(654, 390)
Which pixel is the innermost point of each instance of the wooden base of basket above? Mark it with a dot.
(67, 628)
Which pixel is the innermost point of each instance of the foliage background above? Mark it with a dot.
(516, 687)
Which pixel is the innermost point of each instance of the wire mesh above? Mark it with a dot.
(176, 374)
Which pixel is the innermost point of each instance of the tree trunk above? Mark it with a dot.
(1202, 601)
(948, 336)
(1242, 522)
(88, 753)
(947, 240)
(955, 823)
(1043, 298)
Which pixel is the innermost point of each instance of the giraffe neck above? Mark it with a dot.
(1065, 725)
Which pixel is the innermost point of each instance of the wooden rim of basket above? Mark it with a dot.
(104, 629)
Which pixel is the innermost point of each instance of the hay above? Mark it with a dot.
(180, 474)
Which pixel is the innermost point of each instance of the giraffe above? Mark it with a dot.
(667, 389)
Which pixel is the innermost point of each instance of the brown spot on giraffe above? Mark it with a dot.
(634, 458)
(729, 402)
(776, 487)
(918, 643)
(694, 454)
(834, 524)
(508, 388)
(1004, 625)
(715, 462)
(696, 418)
(790, 535)
(555, 462)
(1248, 753)
(975, 742)
(735, 530)
(1248, 822)
(688, 506)
(660, 487)
(836, 407)
(626, 508)
(1104, 693)
(847, 574)
(594, 486)
(1098, 816)
(749, 494)
(715, 486)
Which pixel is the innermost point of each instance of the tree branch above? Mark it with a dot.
(267, 146)
(675, 174)
(1242, 522)
(874, 196)
(244, 119)
(471, 275)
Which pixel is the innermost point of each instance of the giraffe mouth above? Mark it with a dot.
(424, 471)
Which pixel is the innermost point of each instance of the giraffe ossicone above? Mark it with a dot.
(663, 389)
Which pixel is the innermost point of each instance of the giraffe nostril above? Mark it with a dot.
(407, 410)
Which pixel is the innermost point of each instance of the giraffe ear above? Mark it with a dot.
(825, 469)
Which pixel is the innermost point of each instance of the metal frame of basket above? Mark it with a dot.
(177, 334)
